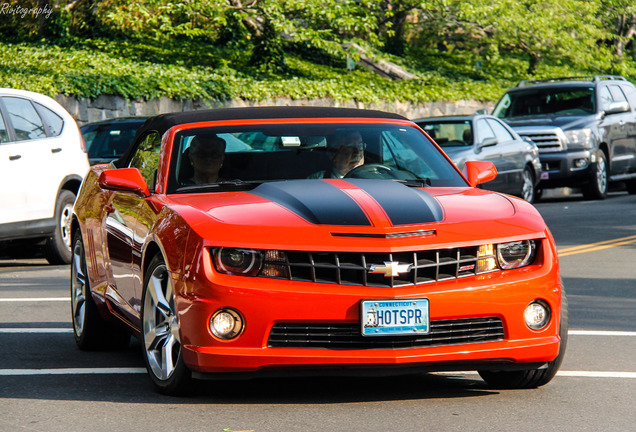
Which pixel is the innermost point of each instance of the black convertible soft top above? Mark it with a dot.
(163, 122)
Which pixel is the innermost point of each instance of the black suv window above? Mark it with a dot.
(27, 124)
(540, 101)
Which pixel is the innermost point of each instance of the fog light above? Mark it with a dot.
(537, 315)
(226, 324)
(580, 163)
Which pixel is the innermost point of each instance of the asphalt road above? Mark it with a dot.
(46, 384)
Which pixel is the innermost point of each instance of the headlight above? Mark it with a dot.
(251, 262)
(579, 138)
(244, 262)
(516, 254)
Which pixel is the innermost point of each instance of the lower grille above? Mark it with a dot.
(347, 336)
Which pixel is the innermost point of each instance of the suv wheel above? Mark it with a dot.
(597, 188)
(57, 249)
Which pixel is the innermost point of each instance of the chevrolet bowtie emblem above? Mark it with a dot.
(390, 268)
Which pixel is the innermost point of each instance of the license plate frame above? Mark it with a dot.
(391, 317)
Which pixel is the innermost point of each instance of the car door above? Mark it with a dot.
(40, 156)
(619, 126)
(126, 225)
(630, 93)
(13, 171)
(511, 154)
(26, 164)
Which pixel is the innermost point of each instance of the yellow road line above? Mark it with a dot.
(597, 246)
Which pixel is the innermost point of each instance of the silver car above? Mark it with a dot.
(482, 137)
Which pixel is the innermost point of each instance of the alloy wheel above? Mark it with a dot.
(601, 175)
(78, 288)
(160, 325)
(65, 224)
(527, 191)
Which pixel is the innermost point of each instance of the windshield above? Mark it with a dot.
(560, 101)
(228, 157)
(109, 140)
(456, 133)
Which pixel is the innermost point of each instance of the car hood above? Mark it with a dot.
(328, 214)
(564, 122)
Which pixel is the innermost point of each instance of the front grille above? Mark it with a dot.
(547, 142)
(353, 268)
(348, 336)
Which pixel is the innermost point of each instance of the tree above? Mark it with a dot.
(563, 30)
(619, 17)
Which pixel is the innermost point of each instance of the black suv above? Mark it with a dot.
(585, 128)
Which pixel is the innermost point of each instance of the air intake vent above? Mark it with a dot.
(348, 336)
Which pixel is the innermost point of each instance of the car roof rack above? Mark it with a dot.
(595, 78)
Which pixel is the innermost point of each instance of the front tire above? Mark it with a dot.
(161, 342)
(57, 249)
(597, 188)
(535, 377)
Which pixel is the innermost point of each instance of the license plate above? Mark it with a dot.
(394, 317)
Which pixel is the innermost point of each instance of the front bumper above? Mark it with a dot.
(567, 169)
(265, 302)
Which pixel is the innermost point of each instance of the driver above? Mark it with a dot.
(349, 154)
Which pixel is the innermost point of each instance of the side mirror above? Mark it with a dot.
(488, 142)
(124, 179)
(478, 172)
(617, 107)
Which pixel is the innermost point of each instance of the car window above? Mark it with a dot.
(146, 158)
(630, 92)
(484, 131)
(53, 121)
(617, 94)
(451, 133)
(562, 101)
(4, 136)
(606, 98)
(108, 141)
(25, 119)
(500, 131)
(243, 155)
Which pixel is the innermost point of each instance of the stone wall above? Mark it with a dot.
(105, 107)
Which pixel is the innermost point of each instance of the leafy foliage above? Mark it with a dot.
(266, 49)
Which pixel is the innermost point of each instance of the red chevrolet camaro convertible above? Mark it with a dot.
(281, 241)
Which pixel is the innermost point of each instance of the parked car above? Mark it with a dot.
(108, 140)
(42, 163)
(585, 128)
(399, 265)
(485, 138)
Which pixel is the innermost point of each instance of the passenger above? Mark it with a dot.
(206, 157)
(349, 154)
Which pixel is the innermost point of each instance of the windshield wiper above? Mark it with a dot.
(223, 185)
(425, 182)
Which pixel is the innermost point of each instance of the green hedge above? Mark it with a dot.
(137, 71)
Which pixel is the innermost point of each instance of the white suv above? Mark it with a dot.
(42, 164)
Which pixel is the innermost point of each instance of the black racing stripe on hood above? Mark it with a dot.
(315, 201)
(403, 204)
